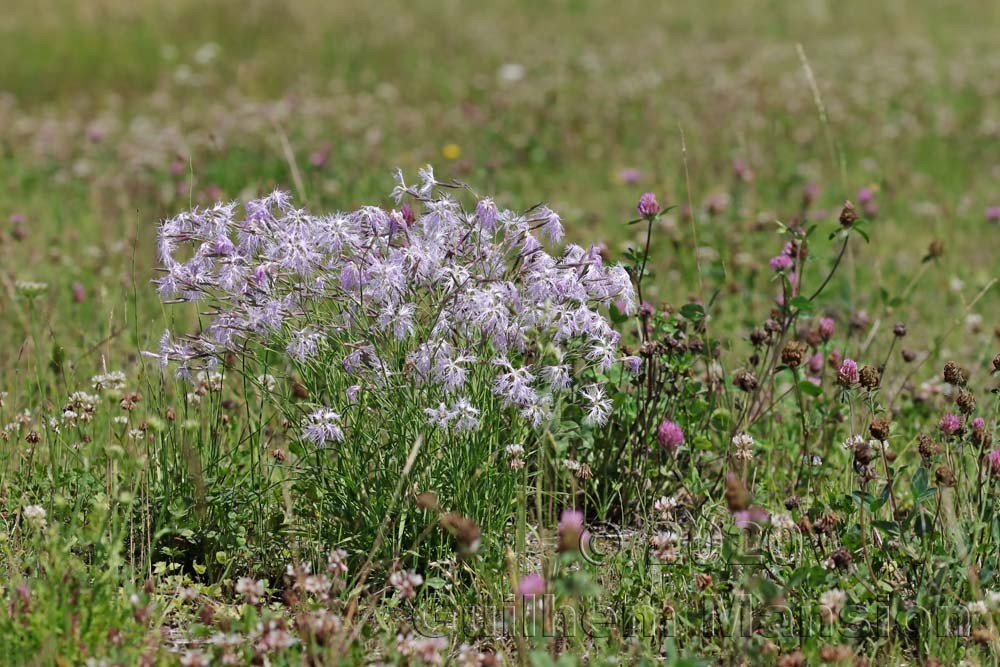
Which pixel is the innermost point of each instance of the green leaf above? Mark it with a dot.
(890, 527)
(918, 485)
(801, 303)
(810, 389)
(693, 311)
(721, 418)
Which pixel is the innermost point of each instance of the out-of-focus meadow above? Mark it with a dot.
(115, 114)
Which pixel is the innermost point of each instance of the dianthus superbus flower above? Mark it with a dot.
(598, 407)
(443, 315)
(322, 427)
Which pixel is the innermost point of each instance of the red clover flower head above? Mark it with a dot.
(750, 517)
(993, 214)
(670, 435)
(950, 424)
(570, 530)
(993, 461)
(848, 375)
(531, 585)
(826, 328)
(780, 263)
(809, 193)
(816, 363)
(648, 206)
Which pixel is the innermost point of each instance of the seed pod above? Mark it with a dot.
(955, 374)
(945, 476)
(427, 501)
(827, 523)
(795, 659)
(841, 558)
(737, 496)
(879, 429)
(758, 337)
(791, 356)
(966, 402)
(863, 453)
(848, 214)
(746, 381)
(870, 378)
(467, 533)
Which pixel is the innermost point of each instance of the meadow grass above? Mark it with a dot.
(175, 521)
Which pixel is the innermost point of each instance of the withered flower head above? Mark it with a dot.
(870, 378)
(848, 214)
(791, 356)
(955, 374)
(879, 429)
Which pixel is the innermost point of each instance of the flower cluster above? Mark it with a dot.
(397, 298)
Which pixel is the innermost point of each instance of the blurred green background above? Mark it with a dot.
(116, 113)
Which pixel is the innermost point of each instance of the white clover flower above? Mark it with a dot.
(30, 289)
(744, 443)
(831, 604)
(978, 608)
(510, 72)
(783, 521)
(854, 441)
(250, 590)
(664, 546)
(665, 505)
(406, 583)
(267, 382)
(113, 381)
(515, 450)
(35, 515)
